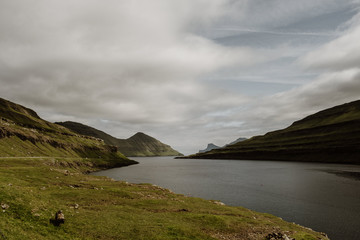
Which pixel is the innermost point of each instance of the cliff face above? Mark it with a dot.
(139, 145)
(332, 135)
(24, 134)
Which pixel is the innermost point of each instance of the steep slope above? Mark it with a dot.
(24, 134)
(139, 145)
(332, 135)
(89, 131)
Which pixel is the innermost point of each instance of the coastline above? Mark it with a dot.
(146, 210)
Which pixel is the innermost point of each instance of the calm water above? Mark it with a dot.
(305, 193)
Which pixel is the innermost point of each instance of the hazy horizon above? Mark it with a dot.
(187, 72)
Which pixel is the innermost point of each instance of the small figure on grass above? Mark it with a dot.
(59, 218)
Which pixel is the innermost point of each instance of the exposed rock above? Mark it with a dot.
(219, 203)
(4, 206)
(59, 218)
(75, 206)
(274, 236)
(183, 210)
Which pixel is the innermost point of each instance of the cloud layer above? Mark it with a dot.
(169, 68)
(124, 60)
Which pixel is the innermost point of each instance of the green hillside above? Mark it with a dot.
(24, 134)
(331, 135)
(139, 145)
(43, 170)
(33, 190)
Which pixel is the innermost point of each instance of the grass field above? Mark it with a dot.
(33, 189)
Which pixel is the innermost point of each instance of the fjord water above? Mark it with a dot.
(310, 194)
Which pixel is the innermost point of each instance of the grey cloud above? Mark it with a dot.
(128, 66)
(341, 54)
(111, 60)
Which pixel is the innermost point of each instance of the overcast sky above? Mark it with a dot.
(187, 72)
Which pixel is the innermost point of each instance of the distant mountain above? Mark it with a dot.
(212, 146)
(142, 145)
(236, 141)
(139, 145)
(209, 147)
(331, 135)
(24, 134)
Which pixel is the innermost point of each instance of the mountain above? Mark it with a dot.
(212, 146)
(209, 147)
(139, 145)
(236, 141)
(42, 168)
(24, 134)
(143, 145)
(331, 135)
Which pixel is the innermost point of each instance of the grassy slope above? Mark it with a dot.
(34, 189)
(24, 134)
(139, 145)
(143, 145)
(332, 135)
(42, 168)
(89, 131)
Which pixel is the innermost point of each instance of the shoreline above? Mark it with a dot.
(271, 159)
(97, 206)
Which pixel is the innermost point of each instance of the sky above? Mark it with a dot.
(187, 72)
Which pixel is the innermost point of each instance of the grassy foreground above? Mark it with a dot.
(33, 189)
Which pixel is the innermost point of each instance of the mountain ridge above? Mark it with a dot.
(331, 135)
(44, 166)
(138, 145)
(209, 147)
(24, 134)
(212, 146)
